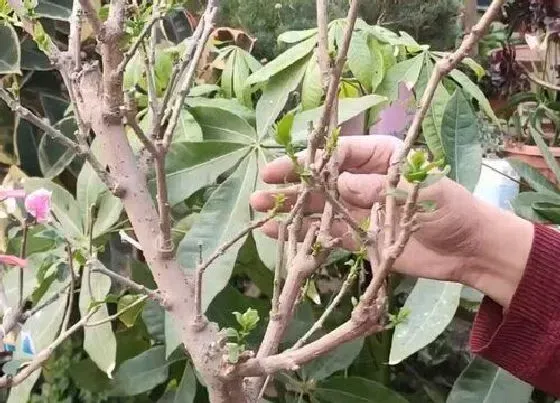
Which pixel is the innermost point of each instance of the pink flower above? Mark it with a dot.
(38, 204)
(12, 193)
(12, 260)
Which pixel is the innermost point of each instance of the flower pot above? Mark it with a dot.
(533, 157)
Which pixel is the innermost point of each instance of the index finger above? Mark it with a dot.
(357, 154)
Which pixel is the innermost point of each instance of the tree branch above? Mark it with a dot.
(154, 295)
(215, 255)
(185, 86)
(92, 17)
(133, 49)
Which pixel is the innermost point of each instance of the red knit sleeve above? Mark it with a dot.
(525, 340)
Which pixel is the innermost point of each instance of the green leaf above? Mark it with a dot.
(32, 58)
(240, 74)
(172, 340)
(356, 390)
(475, 92)
(187, 388)
(347, 109)
(43, 327)
(87, 376)
(275, 94)
(337, 360)
(191, 166)
(311, 87)
(432, 305)
(523, 205)
(266, 246)
(378, 63)
(10, 51)
(533, 177)
(296, 36)
(229, 105)
(141, 373)
(284, 130)
(361, 61)
(224, 215)
(10, 280)
(63, 205)
(550, 211)
(406, 72)
(431, 125)
(483, 381)
(187, 128)
(461, 142)
(282, 61)
(21, 393)
(222, 125)
(26, 141)
(548, 157)
(91, 190)
(153, 316)
(99, 341)
(53, 156)
(129, 316)
(54, 9)
(226, 80)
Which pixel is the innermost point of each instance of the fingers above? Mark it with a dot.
(356, 191)
(265, 200)
(339, 230)
(357, 154)
(361, 190)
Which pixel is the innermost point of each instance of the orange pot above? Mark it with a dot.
(533, 157)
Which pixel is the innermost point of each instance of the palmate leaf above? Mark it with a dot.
(483, 381)
(432, 305)
(461, 142)
(406, 72)
(10, 51)
(524, 205)
(99, 341)
(224, 215)
(347, 109)
(282, 61)
(191, 166)
(275, 94)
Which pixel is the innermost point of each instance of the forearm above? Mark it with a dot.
(505, 245)
(524, 339)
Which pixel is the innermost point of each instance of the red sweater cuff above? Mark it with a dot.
(525, 340)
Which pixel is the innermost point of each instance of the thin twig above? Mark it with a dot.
(137, 42)
(119, 313)
(278, 267)
(22, 254)
(330, 308)
(215, 255)
(149, 63)
(184, 88)
(68, 313)
(152, 294)
(75, 36)
(43, 355)
(131, 109)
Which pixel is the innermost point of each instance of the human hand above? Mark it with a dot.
(463, 239)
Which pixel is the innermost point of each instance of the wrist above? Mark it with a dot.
(505, 244)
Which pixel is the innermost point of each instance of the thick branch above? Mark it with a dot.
(91, 15)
